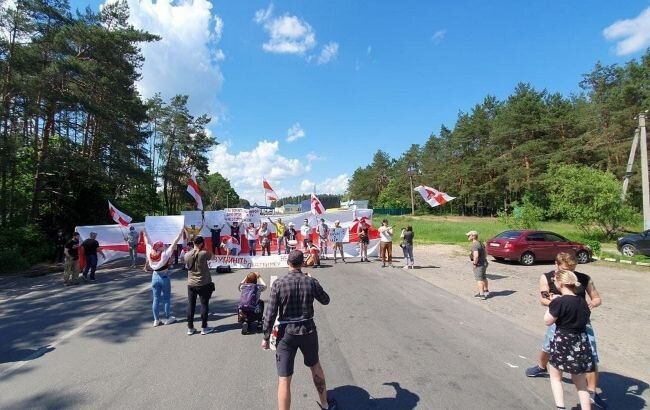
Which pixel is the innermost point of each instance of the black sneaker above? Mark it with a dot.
(536, 371)
(244, 328)
(597, 401)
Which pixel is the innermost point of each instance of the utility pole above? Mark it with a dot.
(412, 170)
(630, 163)
(645, 186)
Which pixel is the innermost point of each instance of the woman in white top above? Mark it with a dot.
(158, 258)
(251, 235)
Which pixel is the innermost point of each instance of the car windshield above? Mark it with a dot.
(508, 235)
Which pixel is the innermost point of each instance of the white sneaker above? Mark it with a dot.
(206, 330)
(406, 267)
(170, 320)
(486, 294)
(156, 323)
(191, 331)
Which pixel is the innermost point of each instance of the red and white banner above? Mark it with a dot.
(195, 192)
(317, 207)
(432, 196)
(118, 216)
(270, 193)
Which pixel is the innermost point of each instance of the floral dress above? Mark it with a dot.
(570, 348)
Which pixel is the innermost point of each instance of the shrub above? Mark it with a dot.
(23, 247)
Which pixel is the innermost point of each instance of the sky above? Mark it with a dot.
(302, 93)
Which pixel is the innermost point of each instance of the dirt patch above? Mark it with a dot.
(621, 322)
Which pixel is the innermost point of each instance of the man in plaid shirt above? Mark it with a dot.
(292, 298)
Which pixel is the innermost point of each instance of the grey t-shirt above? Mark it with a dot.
(198, 272)
(478, 246)
(322, 230)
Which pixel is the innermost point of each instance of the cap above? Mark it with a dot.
(296, 258)
(471, 233)
(291, 224)
(337, 221)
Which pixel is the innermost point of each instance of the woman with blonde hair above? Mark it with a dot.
(570, 348)
(251, 305)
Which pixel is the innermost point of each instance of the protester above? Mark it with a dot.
(323, 233)
(193, 231)
(570, 349)
(364, 239)
(158, 258)
(338, 243)
(230, 245)
(251, 306)
(59, 245)
(235, 230)
(215, 236)
(265, 239)
(548, 291)
(407, 236)
(292, 300)
(132, 238)
(279, 234)
(291, 237)
(305, 233)
(91, 249)
(251, 236)
(313, 255)
(199, 283)
(480, 264)
(71, 250)
(386, 244)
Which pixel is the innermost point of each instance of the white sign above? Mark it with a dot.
(235, 215)
(249, 262)
(164, 228)
(338, 234)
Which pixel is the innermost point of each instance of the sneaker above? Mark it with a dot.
(344, 261)
(331, 405)
(486, 294)
(536, 371)
(406, 267)
(170, 320)
(192, 331)
(483, 297)
(206, 330)
(383, 265)
(244, 328)
(156, 323)
(597, 401)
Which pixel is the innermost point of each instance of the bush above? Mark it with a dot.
(23, 247)
(525, 215)
(594, 245)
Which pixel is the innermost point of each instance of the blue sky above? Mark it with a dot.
(304, 92)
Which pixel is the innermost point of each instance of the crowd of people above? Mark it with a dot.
(569, 296)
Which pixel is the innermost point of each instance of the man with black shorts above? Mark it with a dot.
(548, 290)
(292, 299)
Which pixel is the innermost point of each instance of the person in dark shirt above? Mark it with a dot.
(215, 236)
(407, 236)
(91, 249)
(292, 300)
(234, 231)
(570, 349)
(59, 245)
(71, 272)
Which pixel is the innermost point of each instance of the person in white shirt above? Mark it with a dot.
(386, 243)
(305, 232)
(158, 258)
(251, 235)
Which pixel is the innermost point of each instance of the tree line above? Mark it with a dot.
(500, 151)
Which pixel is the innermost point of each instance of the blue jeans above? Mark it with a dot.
(408, 254)
(251, 247)
(91, 265)
(161, 287)
(133, 253)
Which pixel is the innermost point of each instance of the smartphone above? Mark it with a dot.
(546, 295)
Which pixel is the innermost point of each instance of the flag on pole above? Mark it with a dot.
(118, 216)
(432, 196)
(195, 192)
(317, 207)
(270, 193)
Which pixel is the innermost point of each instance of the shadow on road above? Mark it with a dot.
(493, 276)
(50, 400)
(622, 392)
(501, 293)
(354, 397)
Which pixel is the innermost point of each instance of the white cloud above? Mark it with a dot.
(287, 34)
(263, 15)
(184, 60)
(328, 53)
(295, 132)
(633, 34)
(336, 185)
(219, 55)
(312, 156)
(369, 50)
(438, 36)
(306, 186)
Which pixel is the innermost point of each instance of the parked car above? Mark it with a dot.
(634, 244)
(527, 247)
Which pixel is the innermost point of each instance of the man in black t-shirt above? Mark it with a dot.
(566, 261)
(91, 249)
(215, 232)
(71, 250)
(59, 244)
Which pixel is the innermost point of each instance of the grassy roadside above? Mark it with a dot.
(431, 229)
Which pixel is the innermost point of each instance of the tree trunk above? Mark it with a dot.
(40, 163)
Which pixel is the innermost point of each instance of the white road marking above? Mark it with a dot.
(523, 357)
(68, 335)
(512, 366)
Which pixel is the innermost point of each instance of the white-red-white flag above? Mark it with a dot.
(195, 192)
(118, 216)
(432, 196)
(317, 207)
(270, 193)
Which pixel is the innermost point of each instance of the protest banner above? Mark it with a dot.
(164, 228)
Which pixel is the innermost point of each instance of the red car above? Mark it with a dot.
(527, 247)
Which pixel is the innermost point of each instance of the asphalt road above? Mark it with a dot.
(389, 340)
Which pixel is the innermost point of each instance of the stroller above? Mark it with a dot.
(251, 307)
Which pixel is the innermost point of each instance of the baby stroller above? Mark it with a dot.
(251, 307)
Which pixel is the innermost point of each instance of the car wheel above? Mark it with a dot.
(628, 250)
(582, 257)
(527, 259)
